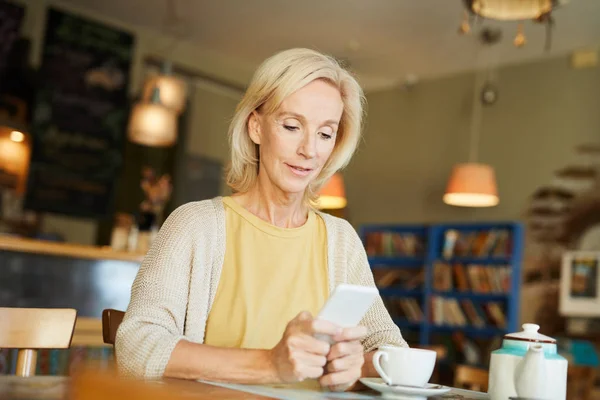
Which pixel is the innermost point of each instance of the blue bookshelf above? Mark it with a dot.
(483, 268)
(467, 295)
(397, 262)
(389, 292)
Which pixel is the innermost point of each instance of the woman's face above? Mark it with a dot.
(296, 140)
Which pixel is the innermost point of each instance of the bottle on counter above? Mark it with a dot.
(119, 240)
(146, 233)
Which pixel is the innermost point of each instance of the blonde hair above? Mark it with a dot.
(276, 78)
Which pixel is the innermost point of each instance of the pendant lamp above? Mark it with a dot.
(472, 184)
(152, 124)
(15, 149)
(172, 89)
(333, 194)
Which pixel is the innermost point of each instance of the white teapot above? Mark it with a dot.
(528, 366)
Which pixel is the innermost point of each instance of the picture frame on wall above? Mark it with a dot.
(580, 284)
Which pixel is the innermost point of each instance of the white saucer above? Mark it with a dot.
(404, 392)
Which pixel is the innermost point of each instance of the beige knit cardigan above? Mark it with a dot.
(174, 289)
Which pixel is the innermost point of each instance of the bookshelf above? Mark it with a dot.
(440, 279)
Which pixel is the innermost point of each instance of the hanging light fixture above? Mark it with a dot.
(172, 89)
(152, 124)
(15, 150)
(514, 10)
(333, 194)
(472, 184)
(511, 10)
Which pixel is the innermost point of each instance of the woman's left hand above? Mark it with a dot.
(345, 360)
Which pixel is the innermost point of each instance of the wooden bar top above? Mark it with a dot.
(33, 246)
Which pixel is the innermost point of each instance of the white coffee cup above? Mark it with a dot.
(404, 366)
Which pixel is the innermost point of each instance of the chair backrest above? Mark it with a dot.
(111, 319)
(29, 329)
(467, 377)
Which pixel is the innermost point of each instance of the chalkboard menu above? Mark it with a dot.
(79, 117)
(11, 16)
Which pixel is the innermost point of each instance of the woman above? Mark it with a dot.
(230, 286)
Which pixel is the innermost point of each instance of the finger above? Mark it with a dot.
(343, 378)
(323, 327)
(340, 388)
(303, 316)
(308, 344)
(349, 334)
(354, 361)
(309, 360)
(343, 349)
(313, 373)
(303, 371)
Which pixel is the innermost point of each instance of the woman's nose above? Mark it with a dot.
(308, 147)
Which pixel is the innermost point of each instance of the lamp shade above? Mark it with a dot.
(333, 194)
(472, 185)
(151, 124)
(15, 151)
(511, 10)
(172, 91)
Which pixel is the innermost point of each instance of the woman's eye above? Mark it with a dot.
(326, 135)
(291, 128)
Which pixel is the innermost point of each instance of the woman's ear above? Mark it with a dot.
(254, 130)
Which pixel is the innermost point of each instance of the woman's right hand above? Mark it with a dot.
(299, 355)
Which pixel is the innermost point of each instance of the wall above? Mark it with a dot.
(210, 114)
(414, 137)
(203, 136)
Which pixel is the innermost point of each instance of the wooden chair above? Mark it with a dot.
(472, 378)
(111, 319)
(30, 329)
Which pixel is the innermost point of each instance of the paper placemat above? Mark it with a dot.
(293, 394)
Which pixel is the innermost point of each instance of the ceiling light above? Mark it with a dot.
(512, 10)
(333, 194)
(17, 136)
(152, 124)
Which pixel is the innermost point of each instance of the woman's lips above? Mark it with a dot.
(299, 171)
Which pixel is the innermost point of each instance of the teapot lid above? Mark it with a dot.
(530, 334)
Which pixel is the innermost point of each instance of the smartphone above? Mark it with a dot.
(347, 306)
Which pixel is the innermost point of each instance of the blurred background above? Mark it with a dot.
(476, 189)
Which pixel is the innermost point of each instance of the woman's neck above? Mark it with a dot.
(272, 205)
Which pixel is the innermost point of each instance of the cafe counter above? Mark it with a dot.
(32, 246)
(35, 273)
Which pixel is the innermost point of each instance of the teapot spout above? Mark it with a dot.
(530, 374)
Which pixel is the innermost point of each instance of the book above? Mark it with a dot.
(473, 278)
(394, 244)
(481, 243)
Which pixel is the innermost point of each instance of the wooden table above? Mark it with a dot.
(101, 386)
(90, 388)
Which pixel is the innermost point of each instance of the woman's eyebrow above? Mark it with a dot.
(302, 118)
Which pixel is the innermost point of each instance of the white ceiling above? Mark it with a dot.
(395, 37)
